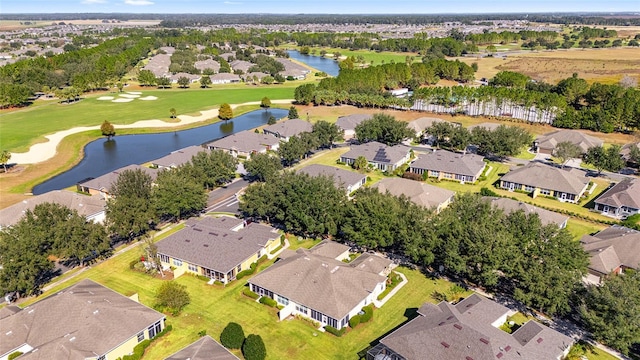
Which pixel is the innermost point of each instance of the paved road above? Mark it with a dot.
(225, 193)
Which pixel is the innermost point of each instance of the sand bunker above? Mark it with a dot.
(134, 92)
(101, 98)
(121, 100)
(129, 96)
(148, 98)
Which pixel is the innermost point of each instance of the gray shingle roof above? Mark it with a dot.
(420, 124)
(350, 122)
(450, 162)
(377, 152)
(420, 193)
(624, 193)
(211, 242)
(85, 205)
(571, 181)
(327, 285)
(84, 320)
(245, 141)
(510, 205)
(104, 182)
(584, 141)
(626, 150)
(465, 331)
(289, 128)
(341, 178)
(179, 157)
(612, 247)
(329, 249)
(203, 349)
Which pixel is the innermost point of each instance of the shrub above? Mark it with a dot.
(488, 192)
(368, 314)
(173, 296)
(202, 333)
(133, 263)
(247, 292)
(203, 278)
(334, 331)
(412, 176)
(218, 282)
(253, 348)
(14, 355)
(354, 321)
(268, 301)
(232, 336)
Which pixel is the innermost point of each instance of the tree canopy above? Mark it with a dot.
(108, 129)
(383, 128)
(172, 296)
(262, 167)
(225, 112)
(130, 210)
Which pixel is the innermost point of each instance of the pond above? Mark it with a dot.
(102, 156)
(327, 65)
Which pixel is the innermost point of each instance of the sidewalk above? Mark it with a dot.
(379, 303)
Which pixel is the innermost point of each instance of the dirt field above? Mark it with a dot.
(601, 65)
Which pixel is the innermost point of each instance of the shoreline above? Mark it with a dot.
(44, 151)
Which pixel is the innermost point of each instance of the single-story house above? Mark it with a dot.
(546, 144)
(192, 77)
(291, 65)
(348, 180)
(621, 200)
(469, 330)
(625, 152)
(443, 164)
(319, 287)
(241, 65)
(380, 156)
(210, 64)
(546, 217)
(84, 321)
(295, 74)
(419, 125)
(250, 76)
(421, 194)
(178, 157)
(348, 124)
(245, 143)
(224, 78)
(102, 184)
(218, 248)
(548, 180)
(612, 250)
(203, 349)
(284, 130)
(91, 207)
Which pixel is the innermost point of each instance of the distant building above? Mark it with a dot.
(546, 144)
(245, 143)
(421, 194)
(612, 250)
(348, 180)
(380, 156)
(443, 164)
(348, 124)
(178, 157)
(546, 217)
(621, 200)
(203, 349)
(284, 130)
(567, 185)
(102, 184)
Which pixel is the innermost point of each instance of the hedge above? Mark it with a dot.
(368, 314)
(252, 268)
(247, 292)
(14, 355)
(334, 331)
(268, 301)
(138, 350)
(232, 336)
(354, 321)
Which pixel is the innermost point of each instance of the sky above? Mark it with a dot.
(317, 6)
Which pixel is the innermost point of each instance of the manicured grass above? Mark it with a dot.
(330, 158)
(23, 127)
(497, 169)
(578, 228)
(597, 354)
(525, 154)
(377, 57)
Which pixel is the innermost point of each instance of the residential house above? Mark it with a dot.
(443, 164)
(348, 180)
(241, 65)
(84, 321)
(249, 77)
(419, 126)
(319, 287)
(469, 330)
(192, 77)
(378, 155)
(546, 217)
(210, 64)
(102, 184)
(294, 74)
(245, 143)
(625, 152)
(218, 248)
(178, 157)
(286, 129)
(159, 65)
(91, 207)
(293, 66)
(542, 179)
(421, 194)
(546, 144)
(621, 200)
(348, 124)
(611, 251)
(224, 78)
(203, 349)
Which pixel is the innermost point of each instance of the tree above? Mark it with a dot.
(383, 128)
(147, 78)
(232, 336)
(253, 348)
(566, 150)
(130, 209)
(265, 103)
(612, 311)
(151, 250)
(602, 159)
(502, 142)
(172, 296)
(216, 168)
(510, 79)
(163, 82)
(120, 86)
(262, 167)
(183, 82)
(292, 150)
(108, 130)
(225, 112)
(272, 120)
(5, 156)
(326, 133)
(304, 94)
(293, 113)
(173, 113)
(177, 195)
(205, 81)
(634, 154)
(360, 163)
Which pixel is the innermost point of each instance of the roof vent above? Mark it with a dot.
(468, 358)
(96, 312)
(499, 355)
(539, 340)
(72, 339)
(9, 332)
(485, 341)
(196, 229)
(457, 326)
(445, 344)
(205, 245)
(441, 323)
(506, 349)
(212, 233)
(187, 240)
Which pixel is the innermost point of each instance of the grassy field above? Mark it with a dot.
(212, 307)
(370, 57)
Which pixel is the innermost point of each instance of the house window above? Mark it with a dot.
(154, 329)
(282, 300)
(193, 267)
(140, 336)
(177, 262)
(528, 188)
(332, 322)
(302, 309)
(315, 315)
(545, 192)
(435, 173)
(345, 321)
(163, 258)
(239, 268)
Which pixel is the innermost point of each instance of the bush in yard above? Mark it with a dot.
(247, 292)
(412, 176)
(253, 348)
(354, 321)
(334, 331)
(232, 336)
(368, 314)
(14, 355)
(172, 296)
(268, 301)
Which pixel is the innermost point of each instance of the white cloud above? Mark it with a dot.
(90, 2)
(138, 2)
(232, 3)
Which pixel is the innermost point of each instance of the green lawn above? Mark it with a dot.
(21, 128)
(212, 307)
(525, 154)
(497, 169)
(578, 228)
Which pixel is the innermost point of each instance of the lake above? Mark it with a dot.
(327, 65)
(102, 156)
